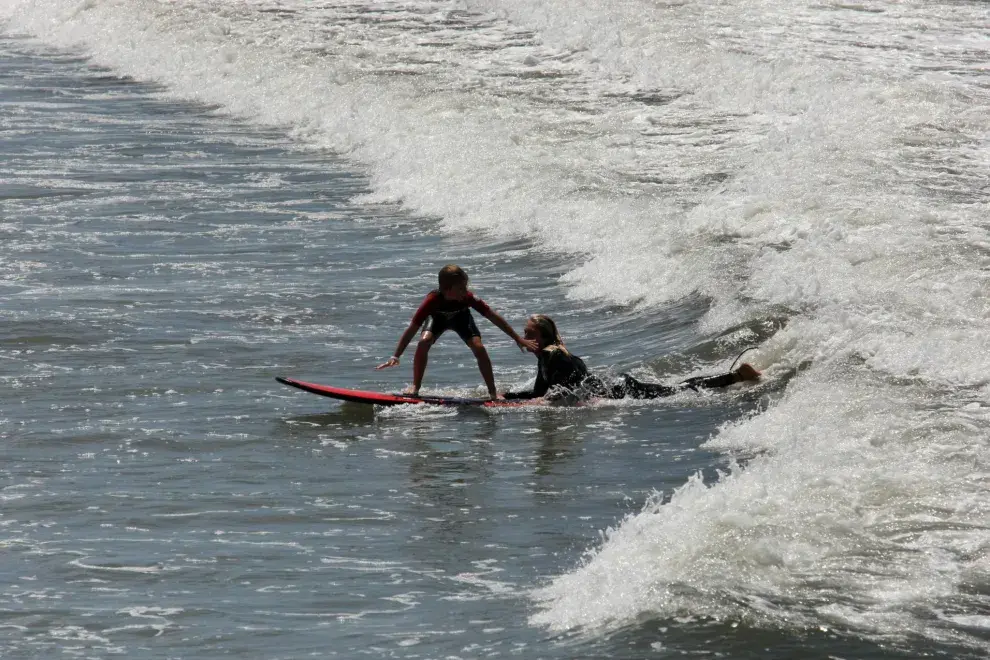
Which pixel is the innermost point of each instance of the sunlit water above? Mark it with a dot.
(271, 190)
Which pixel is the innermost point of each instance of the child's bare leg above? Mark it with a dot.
(419, 362)
(484, 364)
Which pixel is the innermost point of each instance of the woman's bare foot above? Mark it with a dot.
(747, 372)
(411, 391)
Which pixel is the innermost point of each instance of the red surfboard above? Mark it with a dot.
(383, 399)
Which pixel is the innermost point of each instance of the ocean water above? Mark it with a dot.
(197, 196)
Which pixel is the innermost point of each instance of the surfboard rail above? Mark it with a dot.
(386, 399)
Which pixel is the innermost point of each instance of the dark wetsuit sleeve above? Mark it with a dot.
(542, 385)
(708, 382)
(425, 308)
(539, 389)
(479, 305)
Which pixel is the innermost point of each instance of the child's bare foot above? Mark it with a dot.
(747, 372)
(411, 391)
(495, 396)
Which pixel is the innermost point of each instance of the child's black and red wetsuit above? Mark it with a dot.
(442, 314)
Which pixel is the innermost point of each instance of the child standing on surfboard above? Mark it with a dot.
(449, 308)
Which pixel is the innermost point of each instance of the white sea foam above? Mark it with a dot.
(824, 163)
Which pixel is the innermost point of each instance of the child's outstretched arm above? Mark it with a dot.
(401, 346)
(425, 309)
(503, 325)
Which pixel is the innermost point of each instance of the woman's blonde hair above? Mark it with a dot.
(549, 335)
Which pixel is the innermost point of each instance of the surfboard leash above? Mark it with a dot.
(747, 350)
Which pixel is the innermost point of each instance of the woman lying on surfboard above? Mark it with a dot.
(559, 369)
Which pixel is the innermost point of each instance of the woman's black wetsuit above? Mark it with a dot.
(558, 369)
